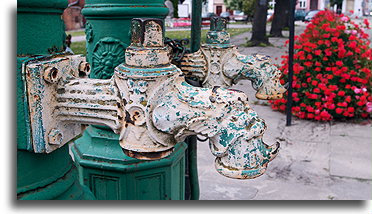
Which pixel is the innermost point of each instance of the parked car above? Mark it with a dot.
(310, 15)
(208, 16)
(225, 15)
(270, 14)
(299, 15)
(240, 17)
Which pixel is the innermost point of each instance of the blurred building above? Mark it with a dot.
(216, 6)
(358, 7)
(72, 16)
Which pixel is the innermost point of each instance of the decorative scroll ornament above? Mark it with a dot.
(89, 32)
(107, 54)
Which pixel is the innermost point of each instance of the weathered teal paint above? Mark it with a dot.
(40, 31)
(218, 64)
(102, 165)
(108, 30)
(218, 35)
(111, 175)
(48, 177)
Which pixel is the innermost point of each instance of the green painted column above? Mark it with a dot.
(111, 175)
(40, 32)
(108, 30)
(102, 165)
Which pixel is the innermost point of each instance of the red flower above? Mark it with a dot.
(351, 109)
(331, 62)
(348, 99)
(352, 44)
(310, 115)
(366, 22)
(339, 110)
(328, 52)
(331, 106)
(325, 115)
(339, 63)
(308, 63)
(309, 109)
(341, 93)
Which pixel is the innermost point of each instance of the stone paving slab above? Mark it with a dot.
(350, 189)
(351, 157)
(352, 130)
(304, 130)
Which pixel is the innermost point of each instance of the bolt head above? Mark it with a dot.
(51, 74)
(55, 137)
(84, 69)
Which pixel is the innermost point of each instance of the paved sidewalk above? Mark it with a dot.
(317, 161)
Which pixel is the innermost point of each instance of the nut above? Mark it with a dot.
(51, 74)
(55, 137)
(84, 69)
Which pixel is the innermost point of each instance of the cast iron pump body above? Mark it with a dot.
(218, 63)
(149, 103)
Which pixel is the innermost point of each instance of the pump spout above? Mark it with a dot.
(162, 109)
(225, 117)
(219, 63)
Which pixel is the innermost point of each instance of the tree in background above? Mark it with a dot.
(259, 24)
(339, 5)
(281, 18)
(257, 9)
(247, 6)
(175, 8)
(234, 4)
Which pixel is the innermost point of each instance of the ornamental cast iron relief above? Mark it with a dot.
(89, 32)
(107, 54)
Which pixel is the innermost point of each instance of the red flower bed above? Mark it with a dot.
(332, 70)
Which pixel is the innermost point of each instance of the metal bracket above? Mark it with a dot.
(61, 98)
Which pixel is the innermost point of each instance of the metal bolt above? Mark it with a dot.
(55, 137)
(147, 32)
(84, 69)
(51, 74)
